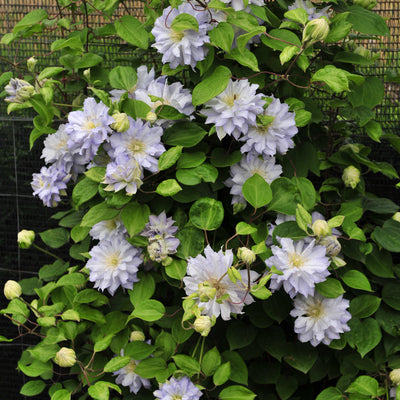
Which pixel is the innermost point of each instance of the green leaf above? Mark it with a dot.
(388, 236)
(32, 388)
(222, 36)
(242, 228)
(74, 279)
(88, 60)
(185, 134)
(52, 271)
(103, 344)
(184, 21)
(285, 197)
(236, 392)
(148, 310)
(356, 280)
(379, 205)
(239, 373)
(220, 158)
(191, 242)
(139, 350)
(366, 21)
(242, 40)
(96, 174)
(257, 191)
(46, 113)
(240, 334)
(122, 77)
(330, 288)
(352, 58)
(169, 187)
(84, 190)
(298, 15)
(49, 72)
(116, 363)
(100, 390)
(142, 290)
(62, 394)
(169, 158)
(207, 214)
(187, 363)
(280, 36)
(177, 269)
(133, 31)
(72, 42)
(364, 385)
(211, 86)
(334, 77)
(211, 361)
(390, 295)
(191, 160)
(369, 94)
(135, 216)
(135, 108)
(289, 229)
(99, 212)
(222, 373)
(364, 306)
(193, 176)
(30, 19)
(374, 130)
(339, 28)
(55, 238)
(330, 393)
(365, 335)
(150, 367)
(244, 57)
(302, 357)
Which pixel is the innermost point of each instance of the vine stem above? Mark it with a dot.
(47, 252)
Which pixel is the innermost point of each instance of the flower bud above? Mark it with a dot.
(203, 325)
(395, 376)
(351, 176)
(362, 51)
(331, 244)
(86, 74)
(246, 255)
(137, 336)
(320, 228)
(25, 238)
(151, 117)
(18, 90)
(157, 249)
(205, 291)
(121, 123)
(368, 4)
(316, 30)
(65, 357)
(396, 216)
(12, 290)
(31, 63)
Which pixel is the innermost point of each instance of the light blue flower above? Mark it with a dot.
(185, 47)
(178, 389)
(114, 263)
(319, 319)
(235, 109)
(312, 11)
(302, 264)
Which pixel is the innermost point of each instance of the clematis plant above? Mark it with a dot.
(214, 239)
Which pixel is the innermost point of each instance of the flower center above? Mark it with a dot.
(113, 260)
(316, 311)
(62, 144)
(176, 397)
(89, 125)
(111, 224)
(218, 286)
(296, 260)
(130, 368)
(136, 146)
(177, 36)
(230, 100)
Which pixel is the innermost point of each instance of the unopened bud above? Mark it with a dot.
(137, 336)
(31, 63)
(157, 249)
(362, 51)
(246, 255)
(396, 216)
(203, 325)
(19, 91)
(320, 228)
(206, 292)
(86, 74)
(65, 357)
(316, 30)
(331, 244)
(25, 238)
(121, 123)
(395, 376)
(12, 290)
(151, 117)
(368, 4)
(351, 176)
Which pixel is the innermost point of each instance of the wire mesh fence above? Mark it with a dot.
(20, 210)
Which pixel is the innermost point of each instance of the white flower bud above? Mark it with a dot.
(86, 74)
(331, 244)
(246, 255)
(351, 176)
(65, 357)
(203, 325)
(395, 376)
(157, 249)
(205, 291)
(151, 117)
(18, 90)
(396, 216)
(368, 4)
(321, 228)
(137, 336)
(316, 30)
(12, 290)
(31, 63)
(25, 238)
(121, 123)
